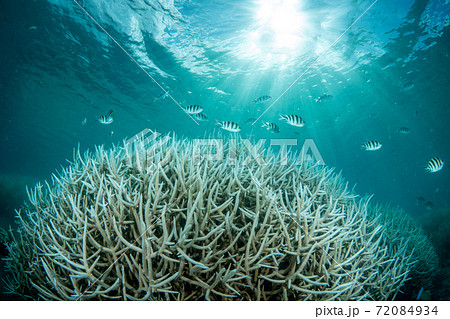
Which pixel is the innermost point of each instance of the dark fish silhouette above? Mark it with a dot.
(407, 86)
(262, 99)
(200, 117)
(271, 127)
(404, 130)
(324, 97)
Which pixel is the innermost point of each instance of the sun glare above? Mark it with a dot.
(278, 26)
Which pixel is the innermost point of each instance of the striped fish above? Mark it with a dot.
(271, 127)
(229, 126)
(404, 130)
(434, 165)
(200, 117)
(262, 99)
(108, 118)
(251, 119)
(293, 120)
(371, 146)
(193, 109)
(324, 97)
(407, 86)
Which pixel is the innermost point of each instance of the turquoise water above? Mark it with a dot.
(59, 68)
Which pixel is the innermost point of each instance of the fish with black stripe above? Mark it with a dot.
(107, 118)
(323, 97)
(371, 146)
(434, 165)
(200, 117)
(293, 120)
(262, 99)
(229, 126)
(271, 127)
(408, 86)
(193, 109)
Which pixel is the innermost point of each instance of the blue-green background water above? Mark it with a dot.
(59, 68)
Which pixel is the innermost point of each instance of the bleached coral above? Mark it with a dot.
(403, 231)
(165, 223)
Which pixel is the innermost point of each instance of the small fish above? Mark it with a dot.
(229, 126)
(407, 86)
(404, 130)
(424, 295)
(293, 120)
(193, 109)
(162, 96)
(200, 117)
(108, 118)
(111, 133)
(83, 58)
(373, 116)
(371, 146)
(84, 122)
(32, 27)
(271, 127)
(252, 119)
(420, 293)
(429, 205)
(323, 97)
(434, 165)
(262, 99)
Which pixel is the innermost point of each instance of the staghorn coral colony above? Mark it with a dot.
(164, 222)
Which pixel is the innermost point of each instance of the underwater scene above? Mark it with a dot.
(225, 150)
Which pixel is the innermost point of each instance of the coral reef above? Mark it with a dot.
(437, 227)
(423, 252)
(398, 227)
(164, 222)
(5, 293)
